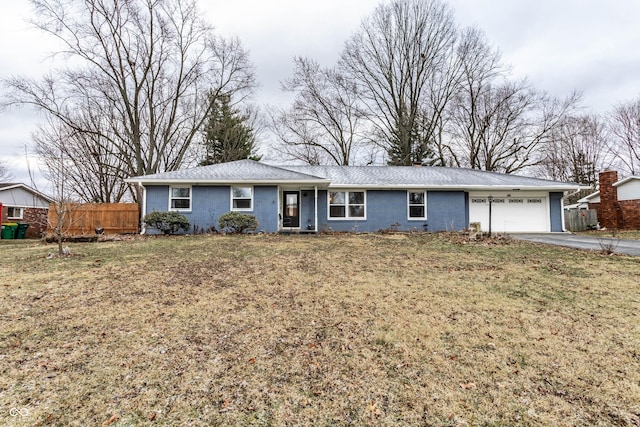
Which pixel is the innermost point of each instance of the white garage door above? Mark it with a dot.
(509, 213)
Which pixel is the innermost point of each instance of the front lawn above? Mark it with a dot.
(373, 329)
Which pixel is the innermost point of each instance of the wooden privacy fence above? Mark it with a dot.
(86, 218)
(580, 219)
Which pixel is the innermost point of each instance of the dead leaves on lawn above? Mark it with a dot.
(296, 331)
(373, 410)
(111, 420)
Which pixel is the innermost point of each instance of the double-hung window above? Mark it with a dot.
(15, 213)
(417, 204)
(347, 205)
(241, 198)
(180, 198)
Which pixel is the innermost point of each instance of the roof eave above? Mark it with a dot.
(588, 198)
(625, 180)
(196, 182)
(458, 187)
(329, 184)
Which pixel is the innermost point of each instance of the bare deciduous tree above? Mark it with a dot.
(400, 52)
(58, 166)
(474, 65)
(504, 126)
(325, 122)
(497, 124)
(577, 151)
(91, 171)
(5, 174)
(624, 124)
(141, 75)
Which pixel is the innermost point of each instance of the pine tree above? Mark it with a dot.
(227, 134)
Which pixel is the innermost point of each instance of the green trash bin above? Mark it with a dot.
(21, 231)
(9, 230)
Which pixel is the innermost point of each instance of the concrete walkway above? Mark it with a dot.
(619, 246)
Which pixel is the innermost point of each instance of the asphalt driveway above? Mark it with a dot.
(619, 246)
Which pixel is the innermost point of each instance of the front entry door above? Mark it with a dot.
(291, 209)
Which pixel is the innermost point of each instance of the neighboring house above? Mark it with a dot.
(576, 206)
(617, 202)
(357, 198)
(23, 204)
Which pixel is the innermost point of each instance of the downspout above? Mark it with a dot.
(315, 205)
(564, 230)
(143, 229)
(280, 211)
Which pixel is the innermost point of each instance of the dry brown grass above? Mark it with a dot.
(328, 330)
(620, 234)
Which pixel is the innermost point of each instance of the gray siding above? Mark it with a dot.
(446, 210)
(265, 208)
(385, 209)
(21, 198)
(157, 198)
(307, 208)
(209, 202)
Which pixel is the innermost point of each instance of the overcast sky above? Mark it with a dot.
(560, 45)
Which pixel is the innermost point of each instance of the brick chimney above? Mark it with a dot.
(609, 213)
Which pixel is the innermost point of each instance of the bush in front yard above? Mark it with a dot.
(236, 222)
(167, 222)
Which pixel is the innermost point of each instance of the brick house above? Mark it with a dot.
(617, 202)
(23, 204)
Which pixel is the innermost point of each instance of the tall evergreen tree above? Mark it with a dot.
(228, 135)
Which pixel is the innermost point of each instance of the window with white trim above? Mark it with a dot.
(417, 204)
(347, 205)
(15, 213)
(180, 198)
(241, 198)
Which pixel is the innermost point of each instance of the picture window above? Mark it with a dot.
(347, 204)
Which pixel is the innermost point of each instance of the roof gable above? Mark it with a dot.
(9, 187)
(630, 193)
(628, 188)
(626, 180)
(591, 198)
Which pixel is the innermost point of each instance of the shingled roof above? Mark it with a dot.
(249, 171)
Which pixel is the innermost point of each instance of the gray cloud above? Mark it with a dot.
(560, 46)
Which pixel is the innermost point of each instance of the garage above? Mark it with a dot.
(510, 213)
